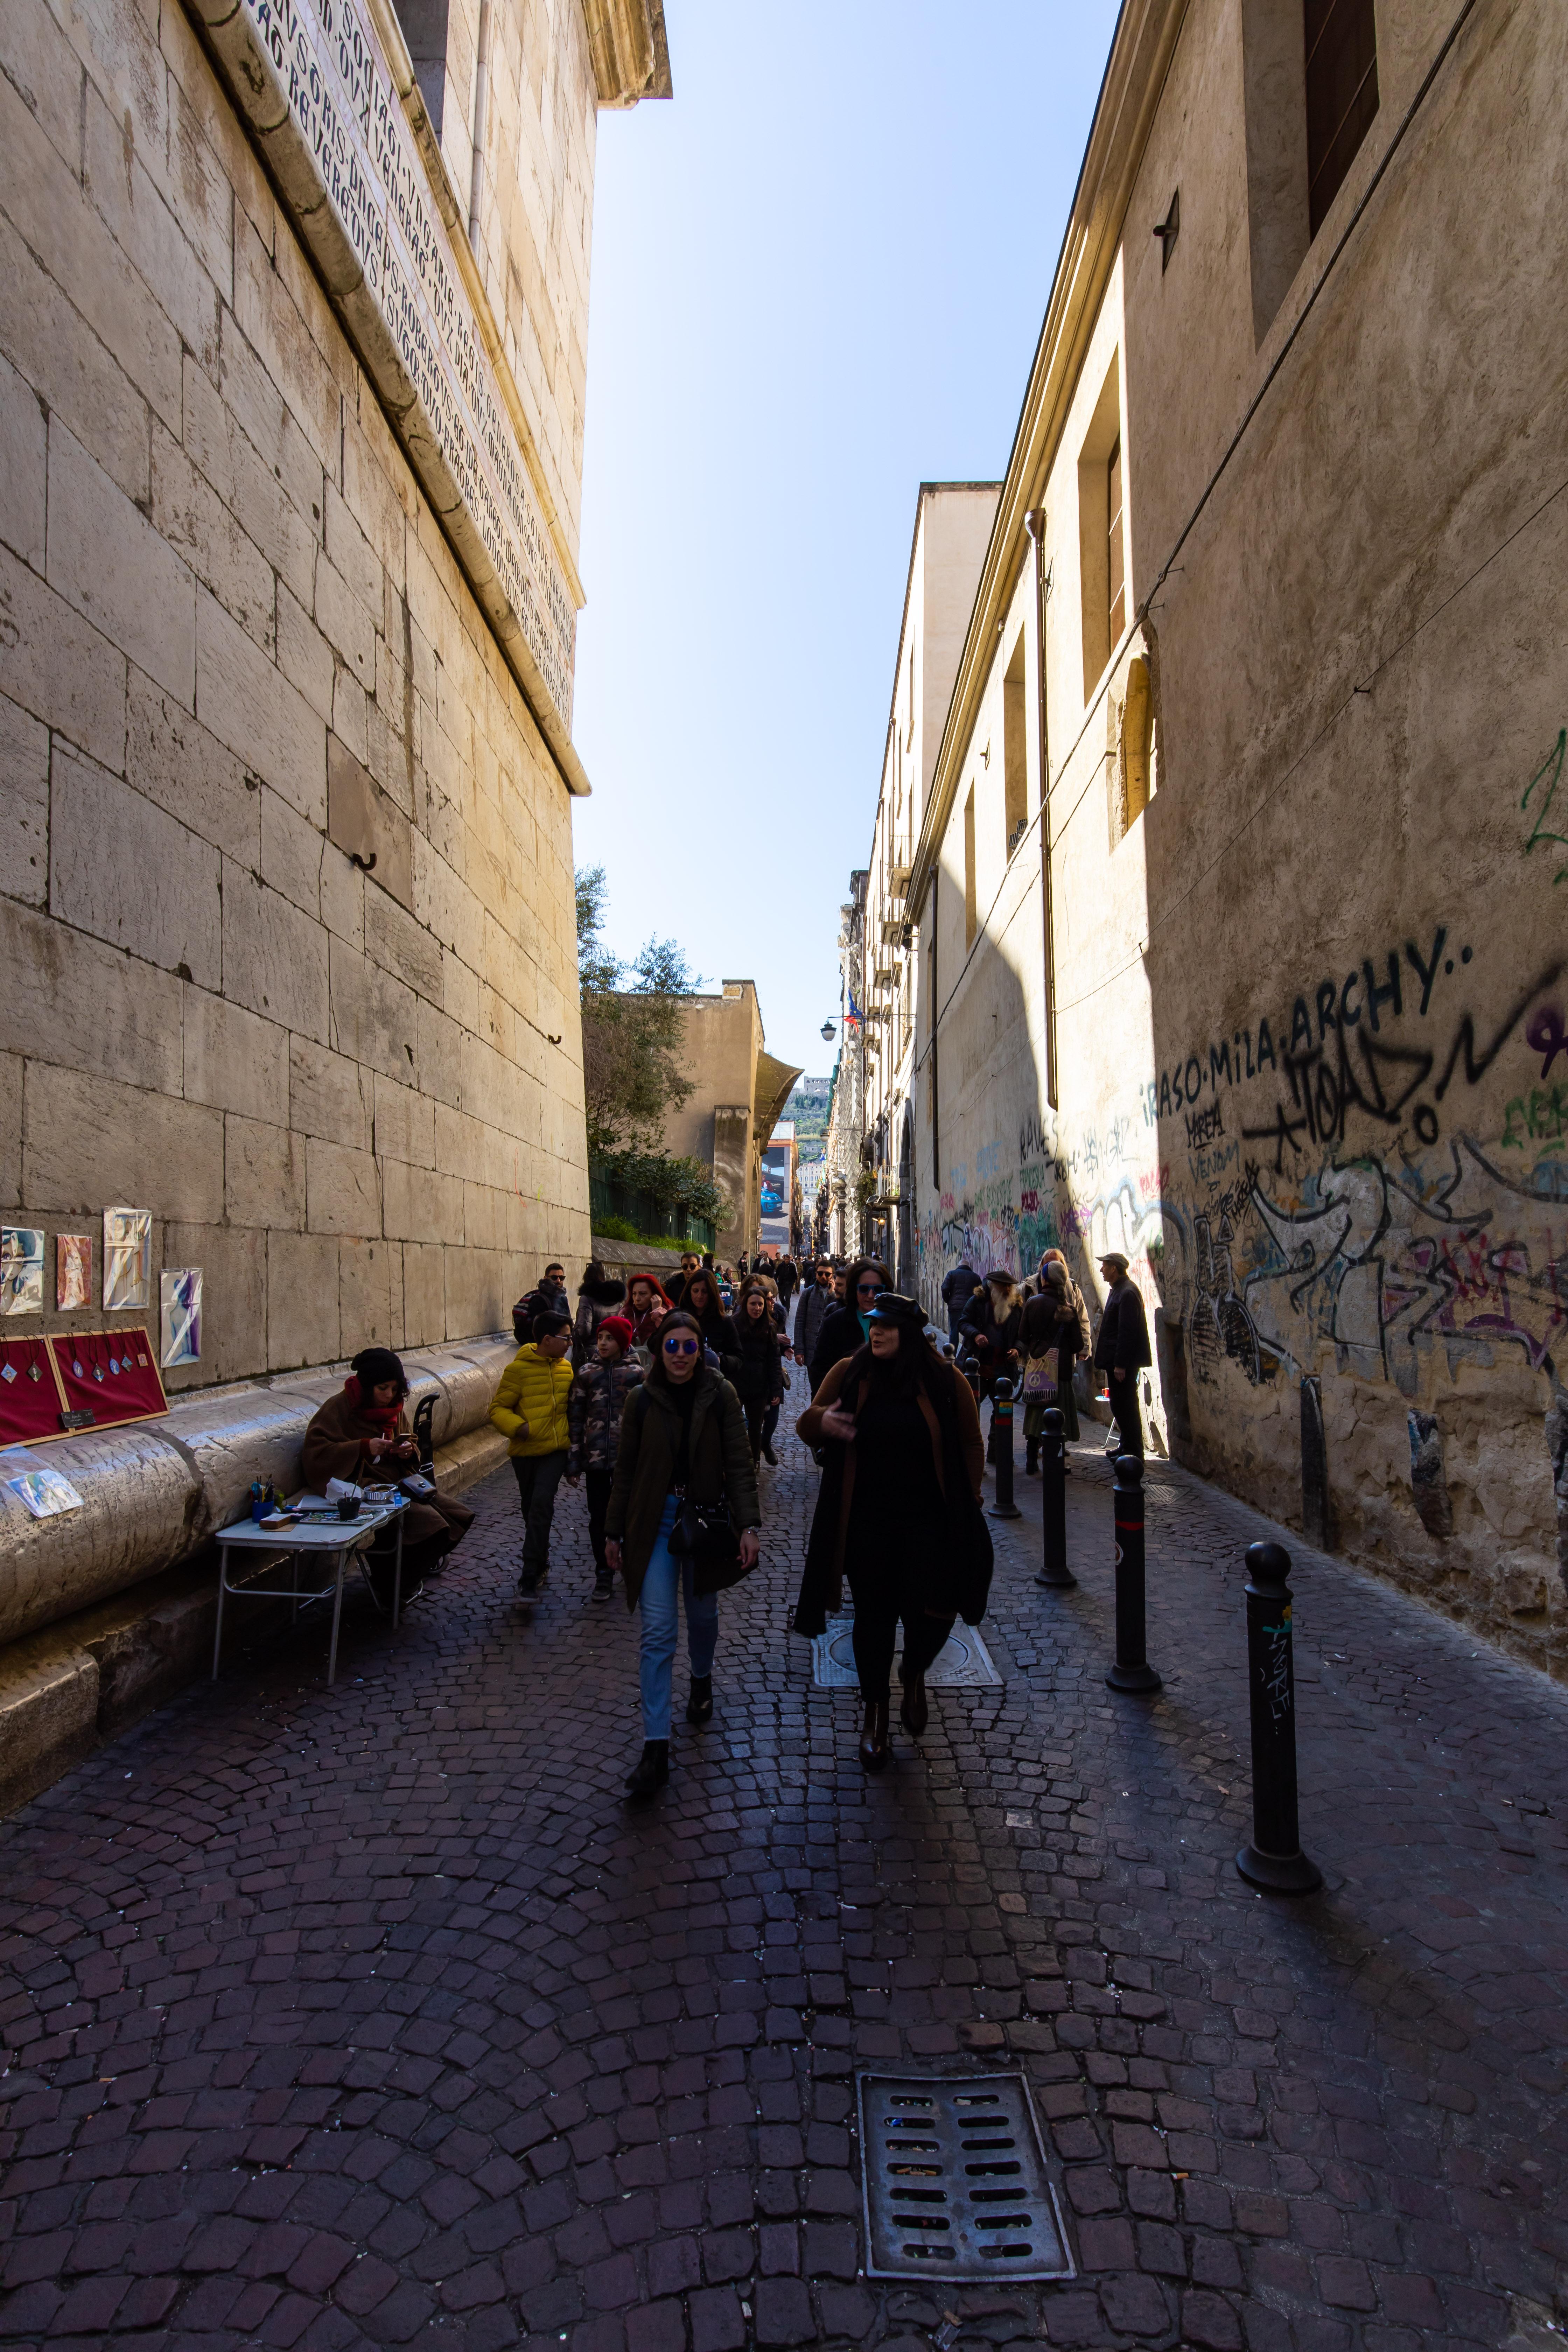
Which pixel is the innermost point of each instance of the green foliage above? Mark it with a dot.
(631, 1030)
(680, 1184)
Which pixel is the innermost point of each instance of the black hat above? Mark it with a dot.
(372, 1366)
(889, 1307)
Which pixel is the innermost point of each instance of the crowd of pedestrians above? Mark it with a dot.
(664, 1398)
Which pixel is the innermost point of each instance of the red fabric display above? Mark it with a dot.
(131, 1391)
(29, 1408)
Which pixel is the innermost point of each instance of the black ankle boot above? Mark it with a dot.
(914, 1714)
(700, 1705)
(651, 1773)
(1032, 1458)
(874, 1737)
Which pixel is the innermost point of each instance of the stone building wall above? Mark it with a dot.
(286, 946)
(1305, 811)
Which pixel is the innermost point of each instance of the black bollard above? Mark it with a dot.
(1131, 1671)
(1274, 1860)
(1003, 1507)
(1053, 1498)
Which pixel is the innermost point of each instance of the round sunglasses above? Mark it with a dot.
(675, 1346)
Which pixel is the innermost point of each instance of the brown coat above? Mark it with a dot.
(809, 1427)
(335, 1445)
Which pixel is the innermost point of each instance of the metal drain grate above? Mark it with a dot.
(955, 2180)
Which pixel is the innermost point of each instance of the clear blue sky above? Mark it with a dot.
(818, 277)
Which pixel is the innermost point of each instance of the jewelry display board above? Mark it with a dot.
(113, 1375)
(31, 1399)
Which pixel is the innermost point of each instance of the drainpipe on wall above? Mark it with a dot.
(1035, 524)
(481, 123)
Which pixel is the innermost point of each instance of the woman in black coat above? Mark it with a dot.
(848, 1328)
(700, 1300)
(898, 1511)
(992, 1327)
(759, 1379)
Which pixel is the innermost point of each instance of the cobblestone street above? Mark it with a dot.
(370, 2016)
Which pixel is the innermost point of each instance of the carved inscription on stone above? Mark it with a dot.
(311, 78)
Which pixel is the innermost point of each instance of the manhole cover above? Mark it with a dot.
(955, 2180)
(964, 1660)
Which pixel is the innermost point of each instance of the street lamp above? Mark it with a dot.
(827, 1032)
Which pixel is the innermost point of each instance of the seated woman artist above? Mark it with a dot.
(358, 1436)
(898, 1511)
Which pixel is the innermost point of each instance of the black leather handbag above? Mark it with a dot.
(702, 1534)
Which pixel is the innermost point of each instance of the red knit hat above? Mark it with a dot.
(618, 1325)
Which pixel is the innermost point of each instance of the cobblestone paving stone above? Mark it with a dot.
(369, 2016)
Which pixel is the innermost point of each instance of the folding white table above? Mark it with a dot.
(325, 1537)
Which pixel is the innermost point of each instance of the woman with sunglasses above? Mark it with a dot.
(848, 1328)
(683, 1437)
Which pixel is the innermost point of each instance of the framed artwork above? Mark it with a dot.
(21, 1270)
(108, 1377)
(73, 1271)
(180, 1316)
(127, 1259)
(31, 1398)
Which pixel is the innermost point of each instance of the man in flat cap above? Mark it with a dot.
(1121, 1350)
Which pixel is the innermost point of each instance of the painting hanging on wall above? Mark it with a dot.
(21, 1270)
(73, 1271)
(127, 1258)
(180, 1315)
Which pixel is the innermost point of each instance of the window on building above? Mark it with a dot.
(1015, 747)
(970, 919)
(1341, 95)
(1309, 90)
(1101, 528)
(1115, 568)
(424, 28)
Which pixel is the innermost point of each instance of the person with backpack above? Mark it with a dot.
(683, 1441)
(593, 1411)
(547, 1297)
(530, 1409)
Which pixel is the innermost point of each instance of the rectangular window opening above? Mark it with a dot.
(1341, 95)
(1114, 566)
(1101, 501)
(1015, 747)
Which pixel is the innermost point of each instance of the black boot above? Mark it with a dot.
(1032, 1458)
(874, 1737)
(700, 1705)
(914, 1714)
(652, 1772)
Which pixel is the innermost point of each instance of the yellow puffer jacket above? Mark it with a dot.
(530, 1405)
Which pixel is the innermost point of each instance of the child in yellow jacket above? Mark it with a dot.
(530, 1409)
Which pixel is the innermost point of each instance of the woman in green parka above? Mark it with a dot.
(683, 1435)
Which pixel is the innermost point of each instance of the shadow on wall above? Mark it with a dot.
(1083, 1184)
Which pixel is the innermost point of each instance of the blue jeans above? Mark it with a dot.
(662, 1579)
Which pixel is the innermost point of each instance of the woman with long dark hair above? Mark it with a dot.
(700, 1299)
(898, 1511)
(759, 1376)
(849, 1326)
(683, 1437)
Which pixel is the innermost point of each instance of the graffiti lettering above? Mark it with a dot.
(1204, 1126)
(1552, 765)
